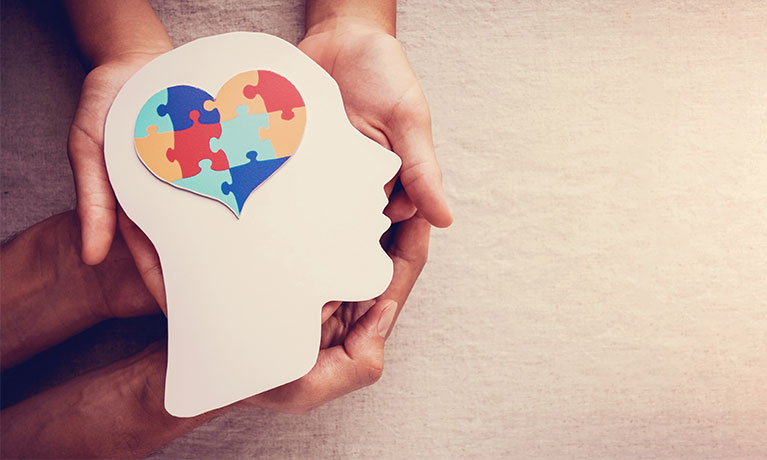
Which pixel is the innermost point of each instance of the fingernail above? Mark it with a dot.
(387, 316)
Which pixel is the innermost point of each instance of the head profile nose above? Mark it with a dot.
(387, 163)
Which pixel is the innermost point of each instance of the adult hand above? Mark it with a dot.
(384, 101)
(353, 333)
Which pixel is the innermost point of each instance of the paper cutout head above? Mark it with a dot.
(222, 148)
(245, 294)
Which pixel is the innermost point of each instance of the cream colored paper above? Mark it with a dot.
(244, 295)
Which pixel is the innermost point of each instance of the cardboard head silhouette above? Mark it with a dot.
(248, 261)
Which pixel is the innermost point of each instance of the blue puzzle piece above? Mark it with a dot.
(240, 135)
(148, 116)
(208, 182)
(182, 99)
(247, 177)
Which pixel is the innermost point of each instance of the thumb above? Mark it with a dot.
(341, 369)
(365, 342)
(411, 138)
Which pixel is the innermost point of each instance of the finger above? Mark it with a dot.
(328, 309)
(339, 370)
(411, 138)
(146, 258)
(400, 206)
(408, 248)
(96, 205)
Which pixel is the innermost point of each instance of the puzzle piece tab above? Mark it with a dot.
(277, 92)
(285, 135)
(208, 182)
(148, 116)
(182, 100)
(240, 136)
(153, 149)
(193, 145)
(247, 177)
(231, 96)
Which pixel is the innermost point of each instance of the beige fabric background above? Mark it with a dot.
(602, 292)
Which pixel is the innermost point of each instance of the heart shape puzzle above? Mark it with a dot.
(222, 147)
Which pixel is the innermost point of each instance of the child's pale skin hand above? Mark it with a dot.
(115, 39)
(96, 203)
(352, 39)
(384, 101)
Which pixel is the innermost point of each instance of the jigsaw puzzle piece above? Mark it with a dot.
(182, 100)
(193, 145)
(148, 116)
(153, 152)
(285, 135)
(231, 96)
(238, 137)
(277, 92)
(208, 182)
(247, 177)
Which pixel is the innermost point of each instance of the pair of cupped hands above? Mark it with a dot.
(384, 101)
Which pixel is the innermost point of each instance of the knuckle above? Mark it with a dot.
(417, 171)
(414, 109)
(372, 372)
(421, 115)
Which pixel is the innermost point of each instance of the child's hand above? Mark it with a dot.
(96, 204)
(384, 101)
(117, 39)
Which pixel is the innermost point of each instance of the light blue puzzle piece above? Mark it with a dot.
(208, 182)
(148, 116)
(241, 135)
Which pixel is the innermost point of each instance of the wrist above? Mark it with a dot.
(40, 272)
(142, 382)
(345, 24)
(131, 54)
(106, 30)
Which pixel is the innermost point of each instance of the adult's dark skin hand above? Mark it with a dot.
(118, 411)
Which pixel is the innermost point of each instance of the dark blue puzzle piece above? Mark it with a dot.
(182, 99)
(245, 178)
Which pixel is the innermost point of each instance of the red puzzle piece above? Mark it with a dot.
(277, 92)
(193, 144)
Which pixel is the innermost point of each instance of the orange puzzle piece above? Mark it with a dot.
(231, 95)
(152, 150)
(285, 135)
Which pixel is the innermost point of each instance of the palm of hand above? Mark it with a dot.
(376, 82)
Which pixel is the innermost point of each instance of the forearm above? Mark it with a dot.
(107, 29)
(49, 294)
(113, 412)
(322, 14)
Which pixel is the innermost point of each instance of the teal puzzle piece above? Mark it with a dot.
(240, 135)
(208, 182)
(148, 116)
